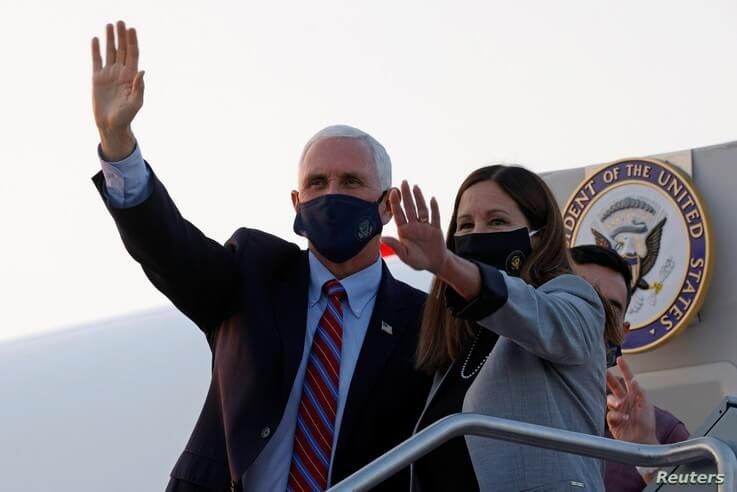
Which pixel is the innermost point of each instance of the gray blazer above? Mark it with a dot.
(548, 368)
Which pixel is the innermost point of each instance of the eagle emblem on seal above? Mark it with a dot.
(633, 227)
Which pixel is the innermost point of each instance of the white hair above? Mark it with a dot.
(381, 158)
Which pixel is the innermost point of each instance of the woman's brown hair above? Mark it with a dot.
(442, 336)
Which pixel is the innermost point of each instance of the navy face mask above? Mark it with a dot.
(506, 250)
(338, 226)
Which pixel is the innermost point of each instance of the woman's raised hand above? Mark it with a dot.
(420, 243)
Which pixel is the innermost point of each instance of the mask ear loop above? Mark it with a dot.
(378, 204)
(532, 233)
(383, 194)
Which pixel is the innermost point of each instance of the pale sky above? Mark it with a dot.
(235, 89)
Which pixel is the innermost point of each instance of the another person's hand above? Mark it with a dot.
(117, 90)
(421, 244)
(630, 415)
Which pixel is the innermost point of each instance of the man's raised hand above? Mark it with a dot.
(117, 90)
(630, 415)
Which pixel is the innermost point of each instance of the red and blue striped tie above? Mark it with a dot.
(313, 437)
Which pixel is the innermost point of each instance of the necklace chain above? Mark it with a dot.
(468, 358)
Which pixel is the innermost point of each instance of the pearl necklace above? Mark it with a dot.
(468, 358)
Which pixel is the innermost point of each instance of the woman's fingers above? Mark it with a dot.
(396, 207)
(423, 214)
(409, 204)
(435, 217)
(395, 244)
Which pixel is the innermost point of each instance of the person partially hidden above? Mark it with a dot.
(630, 414)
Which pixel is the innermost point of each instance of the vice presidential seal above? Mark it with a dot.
(650, 213)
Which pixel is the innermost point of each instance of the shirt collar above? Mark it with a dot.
(360, 287)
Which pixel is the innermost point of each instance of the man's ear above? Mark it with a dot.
(295, 199)
(385, 210)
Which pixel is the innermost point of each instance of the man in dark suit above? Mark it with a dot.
(312, 351)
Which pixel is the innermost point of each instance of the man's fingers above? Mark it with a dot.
(615, 385)
(96, 58)
(612, 402)
(633, 386)
(109, 45)
(435, 219)
(396, 207)
(624, 368)
(138, 84)
(612, 423)
(636, 390)
(615, 418)
(131, 57)
(122, 43)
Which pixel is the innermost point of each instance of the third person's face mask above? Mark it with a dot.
(338, 226)
(506, 250)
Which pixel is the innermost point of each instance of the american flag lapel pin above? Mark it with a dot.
(387, 327)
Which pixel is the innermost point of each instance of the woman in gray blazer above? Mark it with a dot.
(508, 331)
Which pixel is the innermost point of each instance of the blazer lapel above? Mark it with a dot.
(382, 335)
(438, 384)
(290, 313)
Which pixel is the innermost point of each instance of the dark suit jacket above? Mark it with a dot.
(249, 298)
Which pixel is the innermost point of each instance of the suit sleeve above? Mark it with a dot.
(561, 321)
(677, 434)
(668, 427)
(199, 275)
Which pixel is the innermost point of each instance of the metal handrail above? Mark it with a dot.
(544, 437)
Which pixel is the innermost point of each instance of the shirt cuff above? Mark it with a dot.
(492, 296)
(128, 181)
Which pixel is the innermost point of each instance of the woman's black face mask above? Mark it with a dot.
(506, 250)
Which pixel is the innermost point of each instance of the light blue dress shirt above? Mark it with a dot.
(270, 471)
(128, 183)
